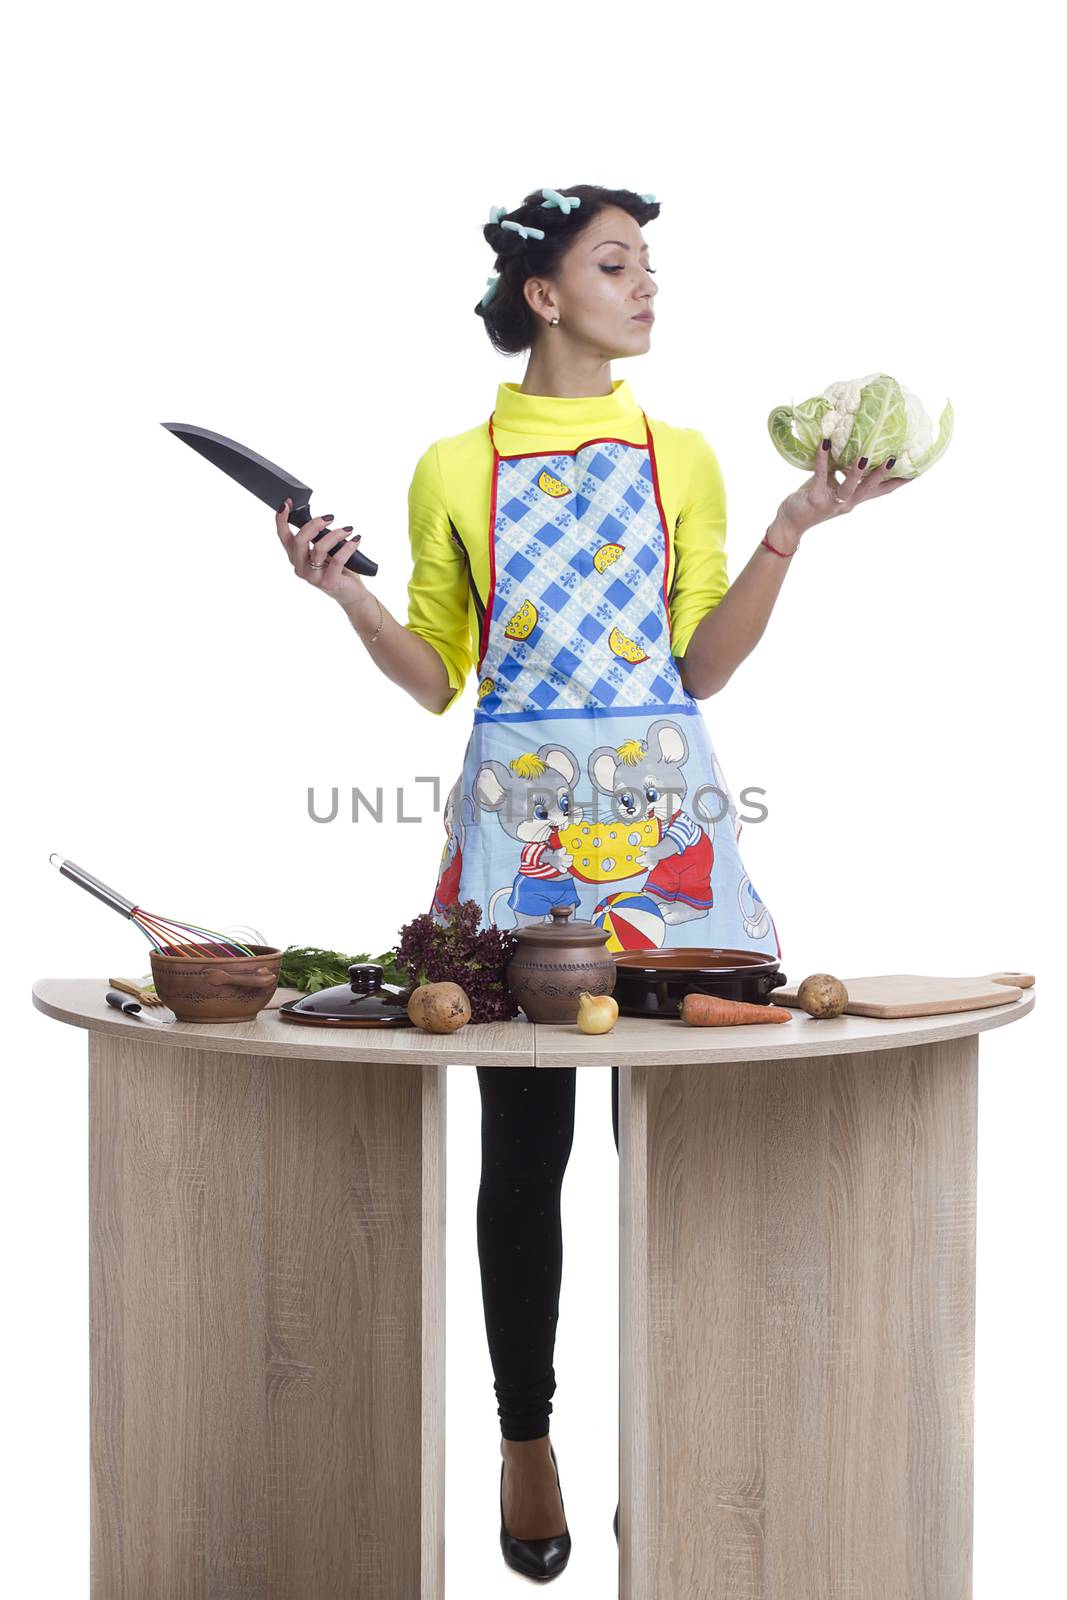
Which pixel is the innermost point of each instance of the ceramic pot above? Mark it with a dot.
(554, 961)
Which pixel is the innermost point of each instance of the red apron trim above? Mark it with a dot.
(491, 597)
(666, 530)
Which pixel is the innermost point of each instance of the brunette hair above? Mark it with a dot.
(509, 321)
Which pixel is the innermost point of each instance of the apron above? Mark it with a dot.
(589, 779)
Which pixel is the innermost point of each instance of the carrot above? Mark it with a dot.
(711, 1010)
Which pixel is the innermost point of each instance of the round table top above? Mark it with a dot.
(633, 1041)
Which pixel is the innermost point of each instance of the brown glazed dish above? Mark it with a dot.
(652, 983)
(219, 988)
(554, 961)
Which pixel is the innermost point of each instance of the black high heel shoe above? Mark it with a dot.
(540, 1559)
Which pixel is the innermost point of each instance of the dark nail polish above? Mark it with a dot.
(282, 506)
(891, 462)
(328, 517)
(347, 528)
(862, 462)
(826, 444)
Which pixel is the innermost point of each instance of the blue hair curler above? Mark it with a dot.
(566, 202)
(523, 229)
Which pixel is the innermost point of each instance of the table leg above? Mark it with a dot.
(797, 1327)
(266, 1326)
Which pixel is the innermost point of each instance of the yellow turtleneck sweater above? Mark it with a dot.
(452, 484)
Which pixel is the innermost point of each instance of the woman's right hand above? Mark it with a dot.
(310, 563)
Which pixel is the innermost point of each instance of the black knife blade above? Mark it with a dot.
(265, 479)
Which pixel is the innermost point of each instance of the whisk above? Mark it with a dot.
(166, 933)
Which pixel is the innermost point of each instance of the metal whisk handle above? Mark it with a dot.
(85, 880)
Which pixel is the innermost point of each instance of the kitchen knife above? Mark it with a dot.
(267, 481)
(132, 1008)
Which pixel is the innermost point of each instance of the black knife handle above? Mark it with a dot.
(122, 1002)
(357, 561)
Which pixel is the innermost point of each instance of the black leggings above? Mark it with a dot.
(527, 1132)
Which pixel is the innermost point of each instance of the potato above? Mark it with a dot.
(822, 995)
(439, 1007)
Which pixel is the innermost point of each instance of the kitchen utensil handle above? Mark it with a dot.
(134, 1010)
(126, 986)
(121, 1003)
(85, 880)
(1021, 980)
(357, 561)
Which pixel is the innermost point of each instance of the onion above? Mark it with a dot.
(596, 1012)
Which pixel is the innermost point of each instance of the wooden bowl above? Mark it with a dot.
(216, 988)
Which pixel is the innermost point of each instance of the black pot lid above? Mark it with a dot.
(365, 1001)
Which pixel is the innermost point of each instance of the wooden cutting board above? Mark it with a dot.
(911, 994)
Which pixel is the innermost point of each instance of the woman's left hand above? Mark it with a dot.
(825, 495)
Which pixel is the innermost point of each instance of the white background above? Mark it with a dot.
(267, 221)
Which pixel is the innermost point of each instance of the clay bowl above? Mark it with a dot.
(216, 988)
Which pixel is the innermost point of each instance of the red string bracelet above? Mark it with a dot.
(786, 553)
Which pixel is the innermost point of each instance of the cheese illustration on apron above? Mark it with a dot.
(589, 778)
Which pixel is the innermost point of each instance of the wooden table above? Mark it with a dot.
(267, 1332)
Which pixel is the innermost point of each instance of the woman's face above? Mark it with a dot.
(604, 290)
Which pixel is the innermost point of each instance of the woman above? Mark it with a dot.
(573, 552)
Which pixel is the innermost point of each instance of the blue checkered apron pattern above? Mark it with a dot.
(582, 717)
(579, 554)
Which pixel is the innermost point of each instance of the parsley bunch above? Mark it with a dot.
(306, 967)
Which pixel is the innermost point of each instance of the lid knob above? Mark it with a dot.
(366, 976)
(559, 913)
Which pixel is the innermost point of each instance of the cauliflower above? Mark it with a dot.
(875, 416)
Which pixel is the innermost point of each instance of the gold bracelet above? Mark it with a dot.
(381, 622)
